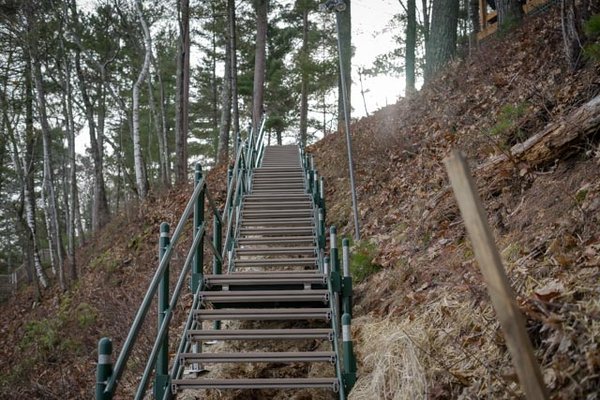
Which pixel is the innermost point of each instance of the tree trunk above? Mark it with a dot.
(411, 45)
(100, 210)
(213, 83)
(48, 192)
(165, 168)
(260, 62)
(474, 15)
(304, 80)
(223, 148)
(140, 171)
(442, 41)
(345, 52)
(234, 72)
(426, 21)
(510, 13)
(571, 33)
(28, 173)
(70, 187)
(183, 85)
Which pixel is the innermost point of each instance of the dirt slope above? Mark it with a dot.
(48, 349)
(425, 326)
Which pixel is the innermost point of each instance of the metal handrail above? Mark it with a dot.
(164, 326)
(145, 306)
(107, 376)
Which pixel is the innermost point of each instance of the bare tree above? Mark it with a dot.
(183, 87)
(140, 169)
(260, 61)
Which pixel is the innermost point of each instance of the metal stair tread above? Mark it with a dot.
(254, 357)
(258, 383)
(262, 334)
(262, 314)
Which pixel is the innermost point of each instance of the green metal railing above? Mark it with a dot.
(249, 155)
(339, 280)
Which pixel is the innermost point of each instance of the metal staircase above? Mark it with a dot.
(281, 290)
(274, 276)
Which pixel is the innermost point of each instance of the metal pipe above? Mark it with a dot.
(347, 123)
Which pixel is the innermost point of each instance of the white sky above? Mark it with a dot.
(369, 18)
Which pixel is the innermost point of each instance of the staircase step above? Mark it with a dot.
(268, 251)
(262, 314)
(278, 205)
(277, 262)
(275, 240)
(302, 222)
(264, 296)
(295, 231)
(261, 334)
(261, 383)
(285, 180)
(256, 357)
(278, 214)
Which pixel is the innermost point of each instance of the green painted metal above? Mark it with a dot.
(217, 261)
(161, 379)
(104, 368)
(347, 279)
(248, 157)
(350, 368)
(197, 273)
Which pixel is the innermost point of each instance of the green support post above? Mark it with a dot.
(333, 250)
(316, 195)
(347, 279)
(311, 189)
(322, 193)
(336, 282)
(217, 266)
(349, 358)
(229, 177)
(104, 368)
(162, 378)
(321, 228)
(326, 266)
(197, 274)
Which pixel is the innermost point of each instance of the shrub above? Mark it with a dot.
(361, 261)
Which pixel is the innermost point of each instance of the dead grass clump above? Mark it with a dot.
(393, 367)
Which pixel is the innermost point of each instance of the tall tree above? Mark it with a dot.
(232, 23)
(510, 12)
(261, 7)
(411, 45)
(140, 169)
(225, 125)
(183, 92)
(441, 46)
(345, 37)
(304, 7)
(95, 118)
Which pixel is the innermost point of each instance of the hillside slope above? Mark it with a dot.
(48, 350)
(425, 325)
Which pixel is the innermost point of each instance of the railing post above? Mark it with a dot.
(349, 359)
(322, 193)
(316, 195)
(229, 178)
(104, 368)
(161, 378)
(197, 274)
(347, 279)
(217, 266)
(333, 250)
(321, 228)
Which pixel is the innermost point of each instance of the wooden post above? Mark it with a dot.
(488, 257)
